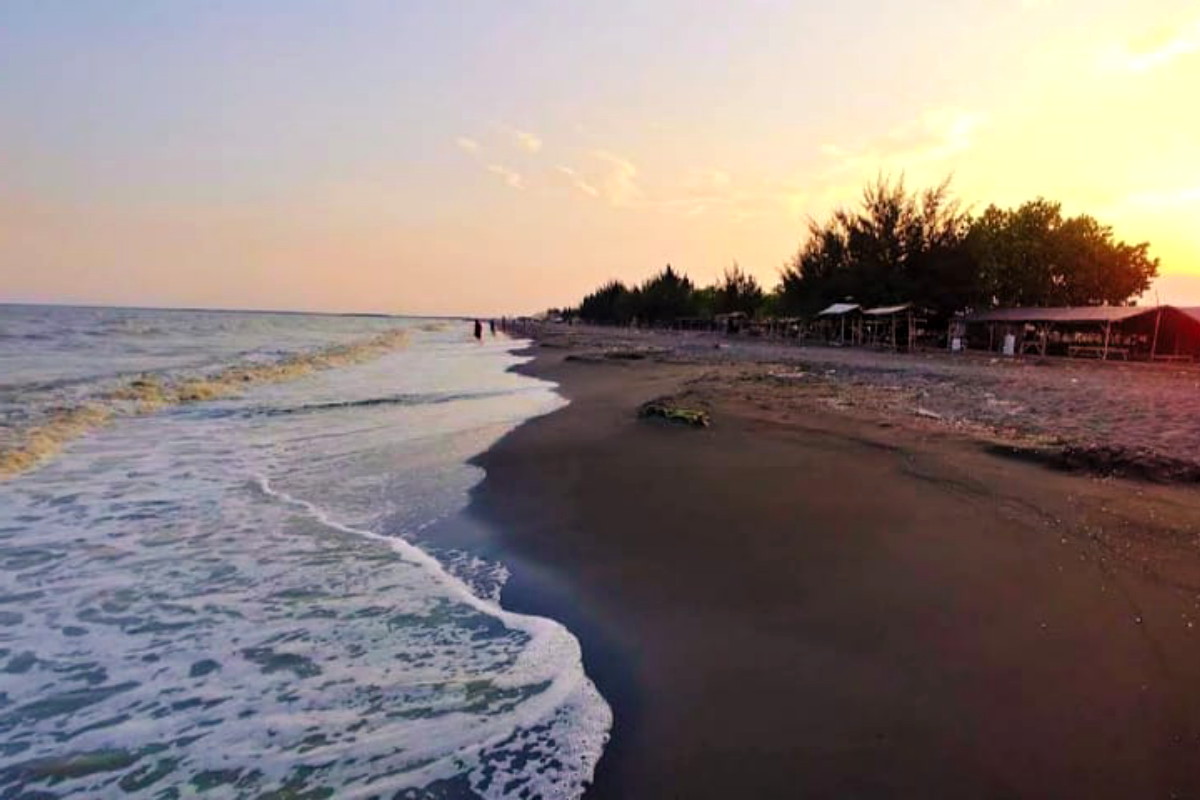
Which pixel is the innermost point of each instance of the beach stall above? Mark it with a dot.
(734, 322)
(1103, 332)
(892, 327)
(787, 327)
(840, 323)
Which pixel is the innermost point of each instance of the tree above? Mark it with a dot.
(610, 304)
(704, 302)
(818, 274)
(898, 247)
(666, 297)
(737, 291)
(1033, 256)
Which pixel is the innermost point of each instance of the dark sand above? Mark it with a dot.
(797, 602)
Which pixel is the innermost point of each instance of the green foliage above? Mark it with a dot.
(899, 247)
(737, 291)
(666, 297)
(705, 301)
(771, 305)
(665, 408)
(661, 299)
(909, 247)
(612, 303)
(1032, 255)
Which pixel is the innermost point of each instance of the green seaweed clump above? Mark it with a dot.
(664, 409)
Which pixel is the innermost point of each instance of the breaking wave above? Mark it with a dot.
(25, 445)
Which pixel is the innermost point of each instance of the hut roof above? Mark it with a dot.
(1062, 314)
(887, 311)
(1191, 311)
(838, 309)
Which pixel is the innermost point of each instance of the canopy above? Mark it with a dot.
(838, 309)
(1062, 314)
(887, 311)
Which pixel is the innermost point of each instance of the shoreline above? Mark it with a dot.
(801, 600)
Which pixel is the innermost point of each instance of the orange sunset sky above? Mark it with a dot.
(502, 157)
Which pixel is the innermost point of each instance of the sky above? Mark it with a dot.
(506, 156)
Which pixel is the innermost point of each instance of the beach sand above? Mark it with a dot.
(816, 598)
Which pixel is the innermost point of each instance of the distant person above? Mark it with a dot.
(492, 323)
(479, 330)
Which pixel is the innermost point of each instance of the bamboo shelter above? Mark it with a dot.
(840, 323)
(892, 327)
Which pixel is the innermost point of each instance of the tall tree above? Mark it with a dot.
(610, 304)
(897, 247)
(737, 291)
(666, 297)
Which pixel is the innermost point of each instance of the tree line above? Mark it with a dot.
(919, 247)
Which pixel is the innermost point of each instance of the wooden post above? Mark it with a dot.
(1107, 336)
(1154, 343)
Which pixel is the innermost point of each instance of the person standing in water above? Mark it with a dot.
(479, 330)
(492, 323)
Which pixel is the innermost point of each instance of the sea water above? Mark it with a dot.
(220, 594)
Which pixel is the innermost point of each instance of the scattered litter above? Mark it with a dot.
(925, 412)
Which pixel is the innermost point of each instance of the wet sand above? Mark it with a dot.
(805, 600)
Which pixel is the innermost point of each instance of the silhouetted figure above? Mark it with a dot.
(479, 330)
(492, 323)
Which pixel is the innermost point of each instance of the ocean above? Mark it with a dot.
(215, 577)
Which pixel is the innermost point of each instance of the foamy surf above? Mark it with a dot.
(223, 599)
(550, 657)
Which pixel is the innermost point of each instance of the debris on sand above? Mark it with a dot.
(639, 354)
(1107, 461)
(664, 408)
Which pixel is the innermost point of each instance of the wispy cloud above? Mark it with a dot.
(529, 142)
(618, 181)
(511, 177)
(606, 176)
(467, 144)
(578, 182)
(716, 192)
(1162, 48)
(936, 135)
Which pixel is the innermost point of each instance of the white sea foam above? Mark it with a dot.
(216, 596)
